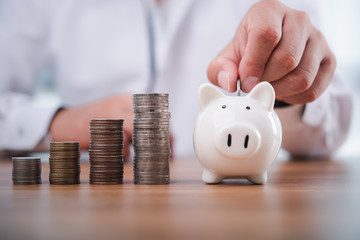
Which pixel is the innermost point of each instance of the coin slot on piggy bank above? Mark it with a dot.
(237, 136)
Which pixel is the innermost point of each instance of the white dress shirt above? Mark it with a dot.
(97, 48)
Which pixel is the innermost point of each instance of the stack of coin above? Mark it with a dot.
(26, 170)
(106, 151)
(151, 138)
(64, 163)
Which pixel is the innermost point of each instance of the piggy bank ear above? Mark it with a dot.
(264, 93)
(207, 93)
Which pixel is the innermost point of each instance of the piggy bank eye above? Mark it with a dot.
(223, 106)
(247, 107)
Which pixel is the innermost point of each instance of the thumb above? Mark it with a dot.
(223, 70)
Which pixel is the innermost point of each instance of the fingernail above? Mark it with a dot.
(249, 83)
(224, 80)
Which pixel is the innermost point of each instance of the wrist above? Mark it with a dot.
(281, 104)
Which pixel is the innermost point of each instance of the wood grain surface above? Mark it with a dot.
(303, 199)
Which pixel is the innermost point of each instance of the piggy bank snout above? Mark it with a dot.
(238, 140)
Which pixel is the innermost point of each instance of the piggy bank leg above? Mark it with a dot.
(258, 179)
(211, 177)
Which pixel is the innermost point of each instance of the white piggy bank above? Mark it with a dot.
(237, 136)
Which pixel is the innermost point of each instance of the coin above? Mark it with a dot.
(106, 151)
(151, 138)
(64, 163)
(26, 170)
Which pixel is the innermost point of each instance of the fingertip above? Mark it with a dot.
(251, 66)
(223, 73)
(249, 83)
(223, 79)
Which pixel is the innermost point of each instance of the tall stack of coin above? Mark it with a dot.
(64, 163)
(106, 151)
(26, 170)
(151, 138)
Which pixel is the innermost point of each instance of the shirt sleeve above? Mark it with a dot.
(23, 124)
(318, 128)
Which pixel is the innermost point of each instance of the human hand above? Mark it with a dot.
(72, 124)
(280, 45)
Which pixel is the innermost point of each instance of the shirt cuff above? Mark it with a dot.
(27, 127)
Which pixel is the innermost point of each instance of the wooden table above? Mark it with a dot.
(304, 199)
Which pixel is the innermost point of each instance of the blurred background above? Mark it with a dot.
(339, 21)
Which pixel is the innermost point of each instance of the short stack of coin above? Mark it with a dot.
(26, 170)
(106, 151)
(64, 163)
(151, 138)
